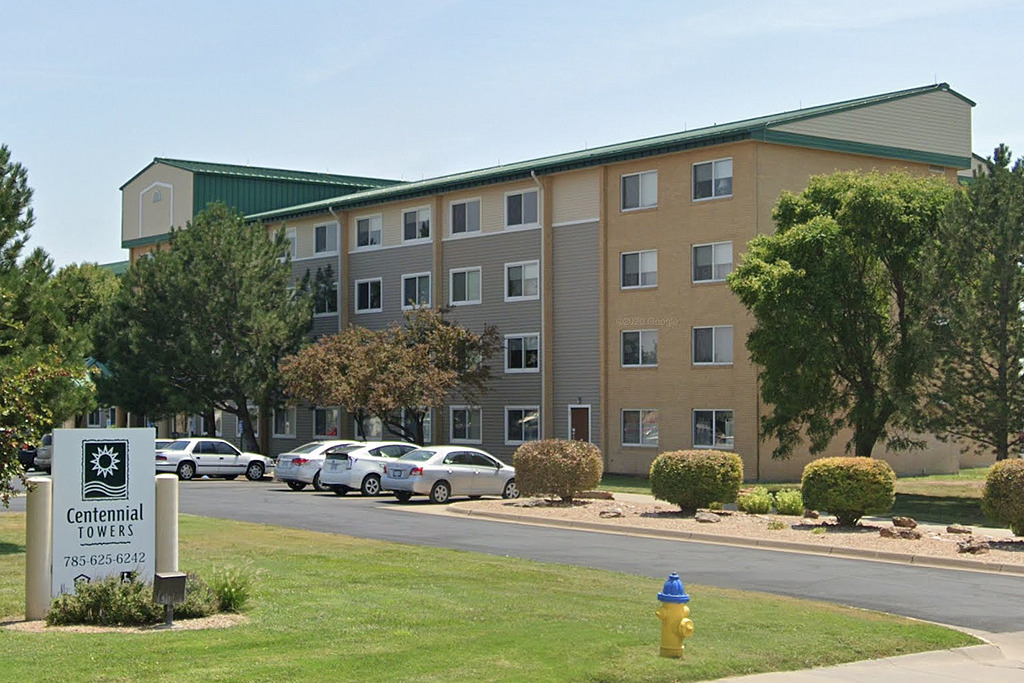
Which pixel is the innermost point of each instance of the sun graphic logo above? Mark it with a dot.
(105, 470)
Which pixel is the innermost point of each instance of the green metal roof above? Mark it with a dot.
(117, 268)
(759, 128)
(264, 173)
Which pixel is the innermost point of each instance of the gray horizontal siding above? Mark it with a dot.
(389, 265)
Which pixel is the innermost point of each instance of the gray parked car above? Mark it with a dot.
(44, 454)
(445, 471)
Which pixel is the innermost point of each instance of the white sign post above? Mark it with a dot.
(103, 505)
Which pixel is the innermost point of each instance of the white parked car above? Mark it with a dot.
(214, 457)
(445, 471)
(360, 466)
(301, 466)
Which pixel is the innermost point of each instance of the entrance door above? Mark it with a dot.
(579, 423)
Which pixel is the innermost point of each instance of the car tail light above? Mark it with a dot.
(416, 472)
(161, 457)
(349, 463)
(385, 469)
(299, 461)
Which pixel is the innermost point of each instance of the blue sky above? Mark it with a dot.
(91, 92)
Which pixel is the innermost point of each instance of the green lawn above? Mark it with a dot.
(331, 607)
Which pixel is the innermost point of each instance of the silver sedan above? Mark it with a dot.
(445, 471)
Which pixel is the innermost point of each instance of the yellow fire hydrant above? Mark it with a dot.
(675, 624)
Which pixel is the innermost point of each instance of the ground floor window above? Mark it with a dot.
(466, 424)
(284, 422)
(640, 427)
(522, 424)
(326, 422)
(713, 429)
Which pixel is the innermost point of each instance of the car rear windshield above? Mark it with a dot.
(176, 446)
(419, 455)
(341, 453)
(307, 448)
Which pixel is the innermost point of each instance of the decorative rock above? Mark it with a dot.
(972, 545)
(897, 532)
(811, 514)
(723, 513)
(959, 529)
(611, 512)
(707, 517)
(597, 495)
(904, 522)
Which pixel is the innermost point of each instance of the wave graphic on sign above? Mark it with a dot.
(102, 489)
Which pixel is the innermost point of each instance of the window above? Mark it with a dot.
(521, 209)
(326, 238)
(465, 424)
(639, 190)
(712, 179)
(368, 296)
(522, 353)
(712, 345)
(466, 217)
(712, 262)
(639, 427)
(409, 423)
(284, 423)
(416, 291)
(712, 429)
(372, 428)
(291, 241)
(326, 292)
(416, 225)
(522, 281)
(639, 269)
(465, 286)
(102, 417)
(368, 232)
(254, 413)
(326, 422)
(522, 424)
(640, 348)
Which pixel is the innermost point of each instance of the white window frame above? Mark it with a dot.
(337, 421)
(373, 428)
(714, 344)
(291, 238)
(622, 427)
(640, 347)
(428, 425)
(254, 412)
(327, 242)
(523, 225)
(451, 286)
(451, 217)
(640, 271)
(524, 370)
(714, 167)
(326, 314)
(355, 301)
(370, 218)
(406, 306)
(418, 210)
(714, 418)
(523, 265)
(714, 263)
(640, 191)
(512, 442)
(290, 421)
(451, 424)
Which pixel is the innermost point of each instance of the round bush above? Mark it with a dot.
(848, 487)
(789, 502)
(694, 479)
(757, 501)
(557, 467)
(1003, 498)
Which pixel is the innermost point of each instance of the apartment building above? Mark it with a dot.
(604, 271)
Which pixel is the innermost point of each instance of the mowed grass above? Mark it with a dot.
(334, 608)
(937, 498)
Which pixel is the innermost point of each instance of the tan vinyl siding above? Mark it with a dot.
(391, 220)
(575, 197)
(930, 122)
(141, 217)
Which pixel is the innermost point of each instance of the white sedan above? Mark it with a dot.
(445, 471)
(193, 457)
(301, 466)
(360, 466)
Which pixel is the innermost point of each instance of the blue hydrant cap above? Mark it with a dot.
(674, 591)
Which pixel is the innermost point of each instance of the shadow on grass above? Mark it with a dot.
(11, 548)
(940, 509)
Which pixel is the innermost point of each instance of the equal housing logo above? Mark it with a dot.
(105, 470)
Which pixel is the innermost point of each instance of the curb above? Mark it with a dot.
(764, 544)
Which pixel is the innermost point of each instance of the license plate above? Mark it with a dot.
(332, 465)
(397, 474)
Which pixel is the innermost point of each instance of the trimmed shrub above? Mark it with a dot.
(232, 587)
(789, 502)
(694, 479)
(757, 501)
(849, 487)
(200, 600)
(1003, 498)
(557, 467)
(106, 602)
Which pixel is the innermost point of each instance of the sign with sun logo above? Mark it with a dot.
(105, 470)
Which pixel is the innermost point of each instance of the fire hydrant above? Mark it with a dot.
(675, 626)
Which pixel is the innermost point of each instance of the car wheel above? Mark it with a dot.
(403, 496)
(371, 485)
(186, 470)
(254, 472)
(295, 485)
(511, 490)
(317, 485)
(339, 490)
(441, 492)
